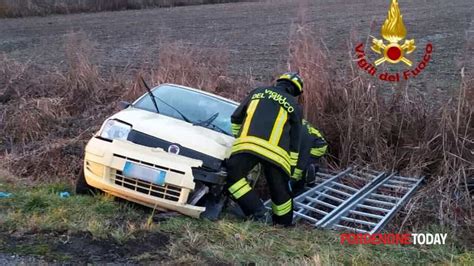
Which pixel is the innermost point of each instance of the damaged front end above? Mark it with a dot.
(149, 175)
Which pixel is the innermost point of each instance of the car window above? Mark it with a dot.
(196, 106)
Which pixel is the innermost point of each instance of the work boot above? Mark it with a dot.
(285, 220)
(250, 203)
(262, 216)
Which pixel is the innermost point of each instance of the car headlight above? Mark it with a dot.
(113, 129)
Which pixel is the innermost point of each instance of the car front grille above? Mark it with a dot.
(168, 192)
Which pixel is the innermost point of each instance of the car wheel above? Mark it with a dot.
(82, 188)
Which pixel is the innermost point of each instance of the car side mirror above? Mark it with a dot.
(124, 105)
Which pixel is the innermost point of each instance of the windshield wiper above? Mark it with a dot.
(208, 124)
(153, 97)
(174, 108)
(214, 126)
(151, 94)
(208, 121)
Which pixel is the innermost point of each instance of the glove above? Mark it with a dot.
(297, 174)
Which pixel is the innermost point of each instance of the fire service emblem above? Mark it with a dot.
(393, 50)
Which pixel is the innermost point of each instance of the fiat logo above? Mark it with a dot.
(173, 149)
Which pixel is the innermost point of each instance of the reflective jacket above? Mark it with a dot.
(313, 146)
(268, 124)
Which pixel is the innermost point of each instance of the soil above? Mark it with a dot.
(81, 248)
(256, 34)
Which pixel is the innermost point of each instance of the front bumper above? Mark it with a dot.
(104, 162)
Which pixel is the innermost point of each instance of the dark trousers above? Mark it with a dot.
(238, 166)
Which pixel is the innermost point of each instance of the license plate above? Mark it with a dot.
(144, 173)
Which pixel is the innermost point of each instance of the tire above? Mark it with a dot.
(82, 188)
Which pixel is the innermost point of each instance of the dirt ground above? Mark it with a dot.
(81, 247)
(255, 34)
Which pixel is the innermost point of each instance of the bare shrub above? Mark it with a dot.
(30, 120)
(48, 161)
(200, 68)
(398, 132)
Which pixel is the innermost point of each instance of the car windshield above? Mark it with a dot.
(195, 106)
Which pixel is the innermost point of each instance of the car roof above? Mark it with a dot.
(198, 91)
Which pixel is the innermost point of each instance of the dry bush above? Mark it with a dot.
(50, 160)
(82, 85)
(400, 132)
(30, 120)
(186, 65)
(49, 114)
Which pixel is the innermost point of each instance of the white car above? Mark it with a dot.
(172, 158)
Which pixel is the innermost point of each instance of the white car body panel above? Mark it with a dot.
(174, 130)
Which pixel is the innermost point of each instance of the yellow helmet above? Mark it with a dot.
(294, 78)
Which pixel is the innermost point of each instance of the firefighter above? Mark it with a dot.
(312, 147)
(267, 127)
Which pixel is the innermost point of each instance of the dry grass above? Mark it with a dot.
(23, 8)
(400, 132)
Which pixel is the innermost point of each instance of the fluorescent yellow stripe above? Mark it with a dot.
(297, 174)
(319, 151)
(282, 209)
(264, 143)
(248, 119)
(264, 152)
(295, 81)
(244, 190)
(237, 185)
(316, 132)
(278, 126)
(294, 158)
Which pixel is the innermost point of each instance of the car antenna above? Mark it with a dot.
(151, 94)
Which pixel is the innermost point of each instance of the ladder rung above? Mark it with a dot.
(311, 208)
(321, 202)
(406, 178)
(306, 217)
(324, 175)
(372, 208)
(395, 187)
(350, 228)
(385, 196)
(380, 202)
(339, 192)
(328, 196)
(345, 186)
(357, 221)
(371, 215)
(400, 182)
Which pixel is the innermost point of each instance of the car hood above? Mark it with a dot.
(197, 138)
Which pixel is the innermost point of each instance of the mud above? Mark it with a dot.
(82, 248)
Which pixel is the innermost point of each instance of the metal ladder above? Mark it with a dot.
(370, 212)
(358, 200)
